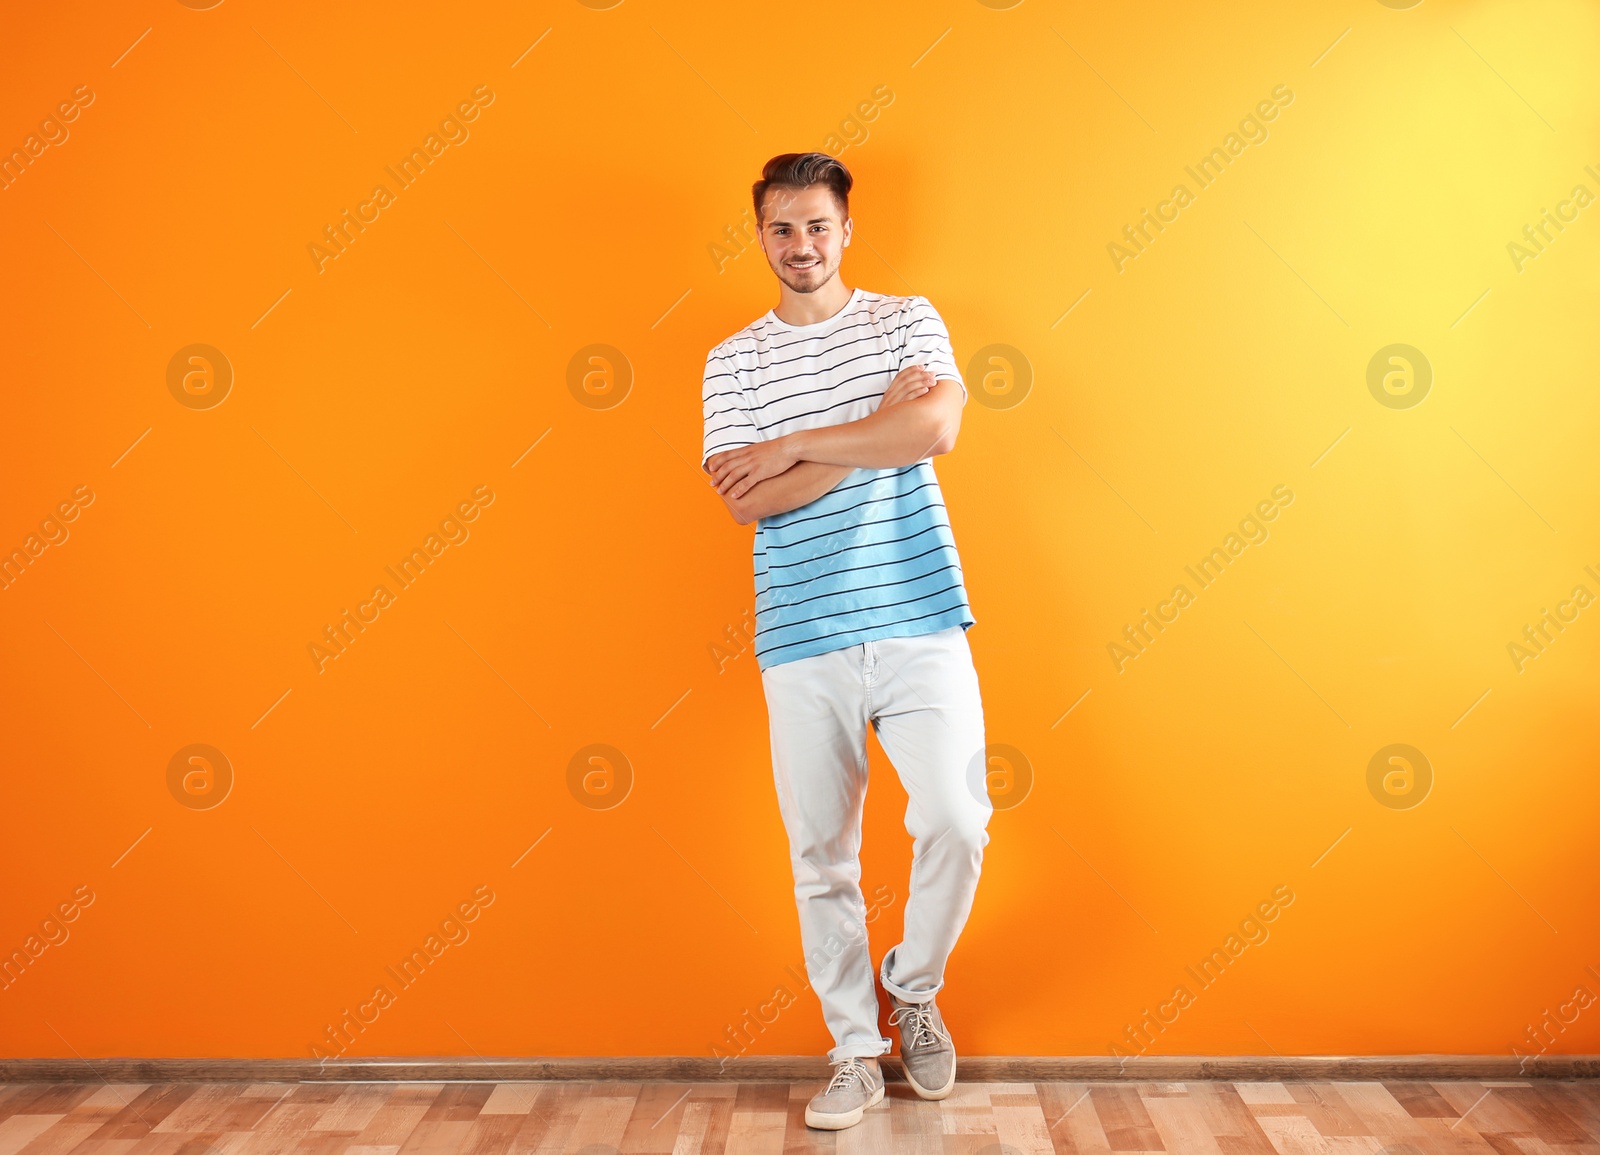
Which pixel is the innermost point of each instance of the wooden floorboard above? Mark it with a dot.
(573, 1117)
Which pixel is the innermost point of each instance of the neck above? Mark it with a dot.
(808, 308)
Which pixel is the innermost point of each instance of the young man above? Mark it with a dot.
(821, 420)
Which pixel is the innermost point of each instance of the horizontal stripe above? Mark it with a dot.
(901, 569)
(872, 609)
(830, 373)
(848, 528)
(732, 372)
(832, 385)
(716, 449)
(796, 515)
(877, 585)
(760, 653)
(761, 573)
(852, 514)
(859, 545)
(807, 419)
(802, 516)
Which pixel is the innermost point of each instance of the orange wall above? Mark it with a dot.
(1170, 392)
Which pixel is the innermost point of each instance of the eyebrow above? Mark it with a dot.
(812, 221)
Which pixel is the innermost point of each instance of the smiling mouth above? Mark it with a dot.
(803, 264)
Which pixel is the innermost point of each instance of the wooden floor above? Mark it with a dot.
(1537, 1117)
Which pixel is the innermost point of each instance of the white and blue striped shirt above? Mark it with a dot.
(874, 557)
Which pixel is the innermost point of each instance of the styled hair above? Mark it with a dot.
(798, 170)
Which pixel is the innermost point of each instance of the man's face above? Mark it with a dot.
(803, 237)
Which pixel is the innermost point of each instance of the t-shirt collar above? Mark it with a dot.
(819, 326)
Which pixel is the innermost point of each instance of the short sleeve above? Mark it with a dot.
(729, 424)
(924, 340)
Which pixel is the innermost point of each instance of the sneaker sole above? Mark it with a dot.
(926, 1092)
(838, 1122)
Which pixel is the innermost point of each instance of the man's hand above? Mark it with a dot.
(911, 382)
(799, 485)
(739, 469)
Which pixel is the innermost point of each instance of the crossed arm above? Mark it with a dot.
(918, 417)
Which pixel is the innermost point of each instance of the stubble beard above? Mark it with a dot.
(820, 272)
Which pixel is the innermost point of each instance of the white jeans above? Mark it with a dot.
(920, 694)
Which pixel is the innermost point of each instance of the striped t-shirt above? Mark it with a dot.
(874, 557)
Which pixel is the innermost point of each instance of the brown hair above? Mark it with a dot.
(799, 170)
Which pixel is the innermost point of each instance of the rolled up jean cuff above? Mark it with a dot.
(860, 1050)
(901, 993)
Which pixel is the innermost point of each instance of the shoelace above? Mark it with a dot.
(850, 1071)
(924, 1031)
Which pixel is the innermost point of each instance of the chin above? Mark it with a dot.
(806, 286)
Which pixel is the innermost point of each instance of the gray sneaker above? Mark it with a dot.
(926, 1052)
(853, 1088)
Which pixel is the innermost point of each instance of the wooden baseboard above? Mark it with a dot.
(792, 1068)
